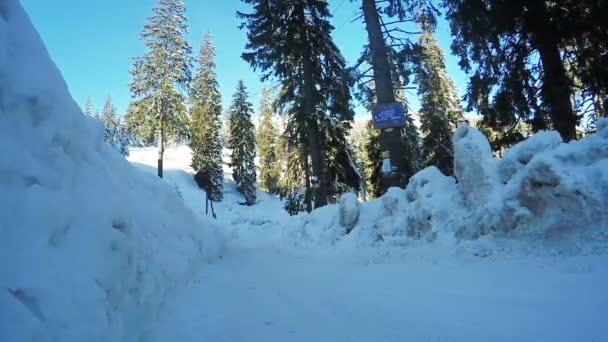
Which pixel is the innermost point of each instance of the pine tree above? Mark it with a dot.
(142, 131)
(242, 144)
(88, 107)
(372, 152)
(115, 134)
(382, 62)
(109, 119)
(160, 74)
(411, 148)
(440, 107)
(515, 52)
(122, 139)
(356, 140)
(583, 27)
(206, 123)
(267, 140)
(293, 188)
(314, 81)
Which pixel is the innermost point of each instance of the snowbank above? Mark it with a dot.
(89, 246)
(543, 190)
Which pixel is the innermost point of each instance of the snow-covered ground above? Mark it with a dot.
(94, 248)
(90, 247)
(238, 221)
(264, 295)
(303, 279)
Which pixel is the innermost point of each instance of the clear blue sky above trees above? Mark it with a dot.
(93, 43)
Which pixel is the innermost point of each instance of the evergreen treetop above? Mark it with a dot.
(163, 74)
(314, 81)
(206, 122)
(440, 106)
(267, 141)
(242, 144)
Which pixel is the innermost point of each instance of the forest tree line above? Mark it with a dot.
(532, 65)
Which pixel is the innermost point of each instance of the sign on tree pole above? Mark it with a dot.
(389, 118)
(389, 115)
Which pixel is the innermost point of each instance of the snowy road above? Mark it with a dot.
(264, 289)
(262, 295)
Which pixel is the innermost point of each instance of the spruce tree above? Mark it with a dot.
(516, 53)
(206, 123)
(356, 140)
(142, 131)
(440, 106)
(314, 81)
(88, 107)
(294, 188)
(115, 134)
(109, 119)
(267, 140)
(583, 27)
(372, 159)
(411, 148)
(162, 74)
(122, 139)
(382, 62)
(242, 144)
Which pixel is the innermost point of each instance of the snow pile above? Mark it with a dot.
(516, 158)
(542, 189)
(434, 201)
(349, 211)
(561, 190)
(89, 246)
(478, 181)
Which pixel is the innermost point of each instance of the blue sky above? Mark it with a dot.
(93, 43)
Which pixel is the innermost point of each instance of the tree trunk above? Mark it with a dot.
(314, 137)
(599, 105)
(161, 147)
(390, 138)
(307, 195)
(556, 90)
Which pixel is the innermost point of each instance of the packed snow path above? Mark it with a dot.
(263, 295)
(264, 289)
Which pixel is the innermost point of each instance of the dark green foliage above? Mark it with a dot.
(373, 161)
(440, 109)
(267, 141)
(525, 58)
(503, 87)
(411, 148)
(315, 85)
(109, 119)
(206, 122)
(142, 130)
(584, 27)
(390, 25)
(242, 144)
(342, 175)
(162, 74)
(293, 189)
(115, 134)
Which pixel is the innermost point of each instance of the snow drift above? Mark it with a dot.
(89, 246)
(543, 190)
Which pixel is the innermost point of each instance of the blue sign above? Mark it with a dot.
(389, 115)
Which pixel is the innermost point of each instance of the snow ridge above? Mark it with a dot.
(89, 246)
(543, 192)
